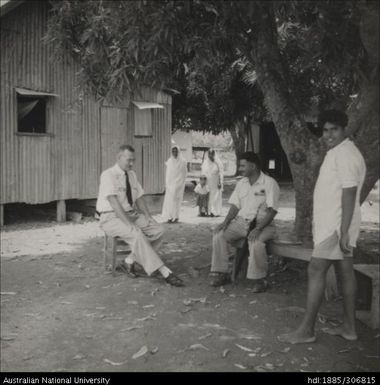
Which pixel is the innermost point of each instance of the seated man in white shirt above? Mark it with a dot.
(336, 227)
(119, 194)
(255, 197)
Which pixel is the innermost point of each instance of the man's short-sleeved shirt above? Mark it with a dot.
(248, 198)
(343, 167)
(113, 182)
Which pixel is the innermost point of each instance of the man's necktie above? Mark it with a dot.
(128, 189)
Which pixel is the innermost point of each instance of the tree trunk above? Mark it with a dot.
(364, 112)
(304, 151)
(238, 134)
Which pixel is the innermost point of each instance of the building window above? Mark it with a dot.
(31, 111)
(143, 113)
(31, 114)
(143, 122)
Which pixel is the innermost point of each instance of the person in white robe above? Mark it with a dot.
(176, 171)
(212, 168)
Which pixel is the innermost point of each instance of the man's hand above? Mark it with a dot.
(150, 219)
(221, 227)
(254, 234)
(344, 243)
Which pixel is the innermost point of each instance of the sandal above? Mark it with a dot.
(174, 280)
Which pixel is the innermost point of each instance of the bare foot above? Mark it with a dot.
(342, 332)
(296, 337)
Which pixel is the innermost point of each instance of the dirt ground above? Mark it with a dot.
(61, 311)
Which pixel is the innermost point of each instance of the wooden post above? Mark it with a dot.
(1, 215)
(61, 211)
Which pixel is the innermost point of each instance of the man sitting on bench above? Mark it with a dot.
(255, 193)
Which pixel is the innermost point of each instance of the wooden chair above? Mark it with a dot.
(114, 247)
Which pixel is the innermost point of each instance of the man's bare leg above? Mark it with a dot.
(317, 271)
(347, 329)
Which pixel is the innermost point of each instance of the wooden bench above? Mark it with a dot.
(370, 317)
(293, 250)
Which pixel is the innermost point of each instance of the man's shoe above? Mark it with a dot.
(220, 279)
(260, 286)
(128, 268)
(173, 280)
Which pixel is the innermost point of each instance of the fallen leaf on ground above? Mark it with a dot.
(131, 328)
(260, 369)
(252, 302)
(66, 303)
(225, 352)
(249, 337)
(254, 317)
(265, 354)
(344, 350)
(147, 306)
(148, 317)
(154, 350)
(205, 336)
(154, 292)
(252, 354)
(87, 286)
(377, 357)
(244, 348)
(240, 366)
(217, 305)
(222, 290)
(113, 363)
(141, 352)
(186, 310)
(132, 303)
(286, 350)
(187, 302)
(8, 293)
(269, 366)
(213, 326)
(198, 346)
(322, 319)
(377, 335)
(79, 357)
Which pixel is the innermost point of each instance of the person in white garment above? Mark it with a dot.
(336, 226)
(124, 214)
(176, 171)
(212, 168)
(254, 204)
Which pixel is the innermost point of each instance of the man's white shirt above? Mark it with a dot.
(249, 198)
(343, 167)
(113, 182)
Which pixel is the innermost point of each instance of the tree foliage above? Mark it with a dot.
(233, 59)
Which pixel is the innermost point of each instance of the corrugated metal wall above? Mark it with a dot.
(65, 164)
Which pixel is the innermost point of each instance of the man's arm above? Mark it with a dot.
(270, 214)
(141, 205)
(232, 212)
(348, 205)
(119, 211)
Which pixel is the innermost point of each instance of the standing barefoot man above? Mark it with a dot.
(336, 225)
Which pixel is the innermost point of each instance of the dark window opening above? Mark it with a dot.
(31, 114)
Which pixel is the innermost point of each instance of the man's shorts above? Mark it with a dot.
(330, 249)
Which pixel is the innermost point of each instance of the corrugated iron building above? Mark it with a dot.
(72, 137)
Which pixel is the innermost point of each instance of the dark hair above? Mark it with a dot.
(126, 147)
(333, 116)
(251, 157)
